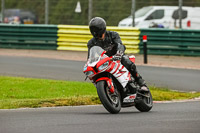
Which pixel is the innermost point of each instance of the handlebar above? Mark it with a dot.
(116, 57)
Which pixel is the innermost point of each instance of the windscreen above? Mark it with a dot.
(95, 54)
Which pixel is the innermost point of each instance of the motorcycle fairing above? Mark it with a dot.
(121, 73)
(129, 99)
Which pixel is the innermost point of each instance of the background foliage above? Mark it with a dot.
(63, 11)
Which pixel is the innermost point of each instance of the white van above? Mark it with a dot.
(164, 17)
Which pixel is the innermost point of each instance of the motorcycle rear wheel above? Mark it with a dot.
(145, 103)
(111, 102)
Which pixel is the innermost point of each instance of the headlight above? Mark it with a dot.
(88, 73)
(103, 66)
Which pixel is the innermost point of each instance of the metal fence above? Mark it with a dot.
(171, 42)
(79, 12)
(68, 37)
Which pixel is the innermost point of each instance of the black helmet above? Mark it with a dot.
(97, 27)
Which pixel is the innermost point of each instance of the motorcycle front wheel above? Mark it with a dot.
(111, 101)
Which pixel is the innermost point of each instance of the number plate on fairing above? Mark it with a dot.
(129, 99)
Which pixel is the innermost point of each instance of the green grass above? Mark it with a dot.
(17, 92)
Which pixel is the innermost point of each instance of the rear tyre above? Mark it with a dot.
(145, 102)
(111, 101)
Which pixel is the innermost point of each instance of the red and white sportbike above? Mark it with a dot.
(116, 87)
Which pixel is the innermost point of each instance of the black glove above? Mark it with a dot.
(119, 53)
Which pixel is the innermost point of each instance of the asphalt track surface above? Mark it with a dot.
(176, 117)
(173, 78)
(163, 118)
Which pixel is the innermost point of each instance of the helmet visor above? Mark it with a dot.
(96, 32)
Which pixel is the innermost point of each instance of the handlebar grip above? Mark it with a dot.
(115, 58)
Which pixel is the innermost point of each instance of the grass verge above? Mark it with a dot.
(17, 92)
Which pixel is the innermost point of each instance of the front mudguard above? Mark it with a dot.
(109, 82)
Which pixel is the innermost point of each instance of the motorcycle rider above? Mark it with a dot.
(110, 41)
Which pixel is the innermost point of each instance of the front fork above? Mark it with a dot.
(109, 83)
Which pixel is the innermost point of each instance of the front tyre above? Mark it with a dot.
(111, 101)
